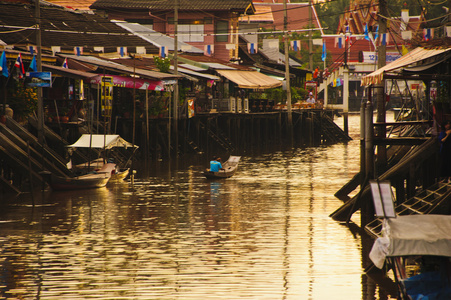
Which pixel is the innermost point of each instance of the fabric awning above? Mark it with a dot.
(102, 141)
(412, 57)
(413, 235)
(250, 79)
(129, 82)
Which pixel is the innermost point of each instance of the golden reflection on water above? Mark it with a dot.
(263, 234)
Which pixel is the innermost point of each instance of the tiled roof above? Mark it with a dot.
(65, 28)
(239, 5)
(73, 4)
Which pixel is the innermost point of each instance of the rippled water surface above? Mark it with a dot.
(263, 234)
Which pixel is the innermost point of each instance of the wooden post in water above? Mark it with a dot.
(362, 140)
(369, 153)
(287, 73)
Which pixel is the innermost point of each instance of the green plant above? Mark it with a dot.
(163, 64)
(23, 100)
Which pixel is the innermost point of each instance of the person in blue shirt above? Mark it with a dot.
(215, 164)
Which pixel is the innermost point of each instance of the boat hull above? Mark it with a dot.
(88, 181)
(221, 174)
(228, 169)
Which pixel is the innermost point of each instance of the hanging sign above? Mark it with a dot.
(106, 92)
(39, 79)
(371, 57)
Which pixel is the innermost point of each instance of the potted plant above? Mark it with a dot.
(23, 101)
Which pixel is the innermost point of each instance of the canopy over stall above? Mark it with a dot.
(103, 141)
(413, 235)
(415, 56)
(128, 82)
(250, 79)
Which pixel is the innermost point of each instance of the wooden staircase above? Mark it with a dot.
(220, 138)
(332, 133)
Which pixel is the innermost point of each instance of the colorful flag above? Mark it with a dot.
(348, 33)
(295, 45)
(4, 65)
(428, 34)
(406, 35)
(251, 48)
(33, 65)
(404, 50)
(56, 49)
(163, 52)
(367, 36)
(65, 65)
(209, 50)
(324, 54)
(376, 34)
(339, 42)
(33, 49)
(78, 51)
(19, 64)
(122, 51)
(384, 39)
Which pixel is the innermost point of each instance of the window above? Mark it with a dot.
(221, 31)
(190, 33)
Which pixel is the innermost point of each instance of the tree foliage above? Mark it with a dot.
(329, 12)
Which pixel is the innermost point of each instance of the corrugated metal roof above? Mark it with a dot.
(218, 66)
(68, 72)
(197, 74)
(65, 28)
(122, 68)
(192, 67)
(239, 5)
(156, 38)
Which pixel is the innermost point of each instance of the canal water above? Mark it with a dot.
(263, 234)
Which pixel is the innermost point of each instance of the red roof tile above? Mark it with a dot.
(233, 5)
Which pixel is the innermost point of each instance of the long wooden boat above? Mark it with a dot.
(96, 165)
(228, 169)
(103, 141)
(87, 181)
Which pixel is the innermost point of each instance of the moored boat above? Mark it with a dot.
(103, 142)
(228, 169)
(88, 181)
(418, 250)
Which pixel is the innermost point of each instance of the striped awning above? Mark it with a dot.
(415, 56)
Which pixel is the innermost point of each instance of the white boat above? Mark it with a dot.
(90, 180)
(93, 174)
(418, 250)
(104, 142)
